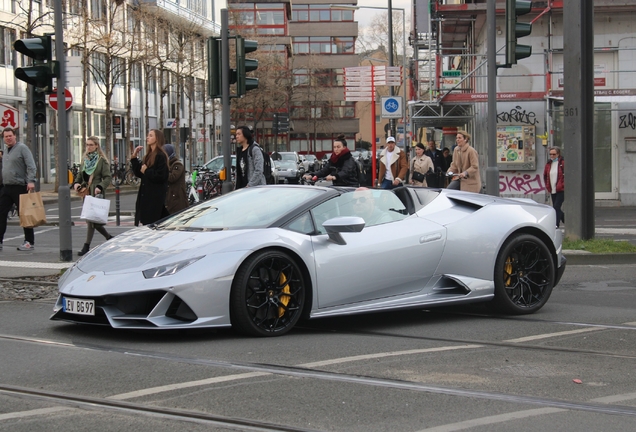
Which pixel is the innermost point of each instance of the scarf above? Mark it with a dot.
(90, 162)
(334, 157)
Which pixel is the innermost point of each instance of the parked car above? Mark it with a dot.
(260, 259)
(310, 162)
(216, 164)
(287, 171)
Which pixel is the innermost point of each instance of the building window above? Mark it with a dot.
(324, 45)
(319, 13)
(319, 77)
(151, 81)
(135, 76)
(7, 37)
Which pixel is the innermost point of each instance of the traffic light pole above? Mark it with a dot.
(225, 102)
(492, 172)
(63, 192)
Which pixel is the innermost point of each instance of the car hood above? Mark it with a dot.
(145, 248)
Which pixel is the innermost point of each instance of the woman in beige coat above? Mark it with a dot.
(421, 165)
(465, 164)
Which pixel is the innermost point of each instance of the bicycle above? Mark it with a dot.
(73, 172)
(118, 174)
(211, 185)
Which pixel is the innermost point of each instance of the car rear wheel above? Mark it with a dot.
(524, 275)
(268, 295)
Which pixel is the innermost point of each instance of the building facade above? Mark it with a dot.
(321, 42)
(530, 94)
(130, 68)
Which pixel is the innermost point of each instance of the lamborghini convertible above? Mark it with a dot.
(261, 258)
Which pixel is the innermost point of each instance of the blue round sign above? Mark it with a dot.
(391, 105)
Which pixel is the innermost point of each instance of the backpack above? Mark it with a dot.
(267, 164)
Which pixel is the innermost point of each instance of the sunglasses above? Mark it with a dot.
(361, 200)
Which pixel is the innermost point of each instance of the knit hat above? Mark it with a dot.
(169, 148)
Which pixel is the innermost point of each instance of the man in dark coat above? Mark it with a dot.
(439, 165)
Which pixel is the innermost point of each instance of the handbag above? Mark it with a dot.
(418, 176)
(31, 209)
(95, 210)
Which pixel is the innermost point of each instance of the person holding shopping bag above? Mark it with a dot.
(92, 179)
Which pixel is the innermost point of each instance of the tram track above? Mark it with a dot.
(131, 408)
(303, 371)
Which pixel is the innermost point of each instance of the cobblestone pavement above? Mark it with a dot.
(29, 288)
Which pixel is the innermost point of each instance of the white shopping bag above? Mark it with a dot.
(95, 210)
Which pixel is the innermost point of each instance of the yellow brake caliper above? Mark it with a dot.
(284, 299)
(508, 271)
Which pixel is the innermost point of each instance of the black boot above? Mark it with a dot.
(84, 249)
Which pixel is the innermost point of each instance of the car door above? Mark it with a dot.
(384, 260)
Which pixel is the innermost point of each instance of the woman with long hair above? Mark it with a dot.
(153, 172)
(341, 168)
(93, 178)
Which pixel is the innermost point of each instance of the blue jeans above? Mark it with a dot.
(386, 184)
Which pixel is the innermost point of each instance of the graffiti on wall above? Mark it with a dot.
(518, 115)
(627, 121)
(520, 183)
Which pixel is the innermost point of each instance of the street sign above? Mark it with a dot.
(392, 107)
(68, 99)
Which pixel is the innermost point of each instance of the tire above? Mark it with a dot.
(524, 275)
(268, 295)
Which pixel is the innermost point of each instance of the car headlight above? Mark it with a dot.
(169, 269)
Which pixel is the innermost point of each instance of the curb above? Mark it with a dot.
(600, 259)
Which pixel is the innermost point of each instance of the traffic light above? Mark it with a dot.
(515, 30)
(39, 108)
(214, 67)
(244, 65)
(44, 69)
(283, 123)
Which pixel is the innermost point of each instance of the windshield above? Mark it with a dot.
(286, 164)
(216, 164)
(246, 208)
(289, 157)
(310, 158)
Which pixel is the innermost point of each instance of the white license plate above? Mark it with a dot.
(79, 306)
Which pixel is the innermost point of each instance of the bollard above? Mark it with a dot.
(117, 208)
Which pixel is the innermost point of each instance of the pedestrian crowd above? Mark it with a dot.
(162, 190)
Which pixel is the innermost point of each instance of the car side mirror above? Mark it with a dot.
(338, 225)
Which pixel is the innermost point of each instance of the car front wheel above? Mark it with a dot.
(524, 275)
(268, 295)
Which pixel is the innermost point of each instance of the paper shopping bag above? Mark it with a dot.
(31, 209)
(95, 210)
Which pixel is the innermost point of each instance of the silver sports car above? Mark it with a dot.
(260, 258)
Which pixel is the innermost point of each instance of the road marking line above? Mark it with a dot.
(171, 387)
(177, 386)
(386, 354)
(550, 335)
(31, 413)
(484, 421)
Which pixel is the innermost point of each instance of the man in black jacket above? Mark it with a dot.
(435, 179)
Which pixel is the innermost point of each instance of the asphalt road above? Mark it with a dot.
(569, 367)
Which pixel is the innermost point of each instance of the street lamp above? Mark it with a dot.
(389, 9)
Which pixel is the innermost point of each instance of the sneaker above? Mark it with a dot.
(26, 246)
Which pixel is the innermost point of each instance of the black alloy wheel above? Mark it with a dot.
(268, 295)
(524, 275)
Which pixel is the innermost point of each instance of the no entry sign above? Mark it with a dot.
(68, 99)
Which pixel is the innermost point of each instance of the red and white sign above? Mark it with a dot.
(68, 99)
(9, 116)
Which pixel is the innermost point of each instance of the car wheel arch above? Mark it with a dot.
(541, 235)
(309, 293)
